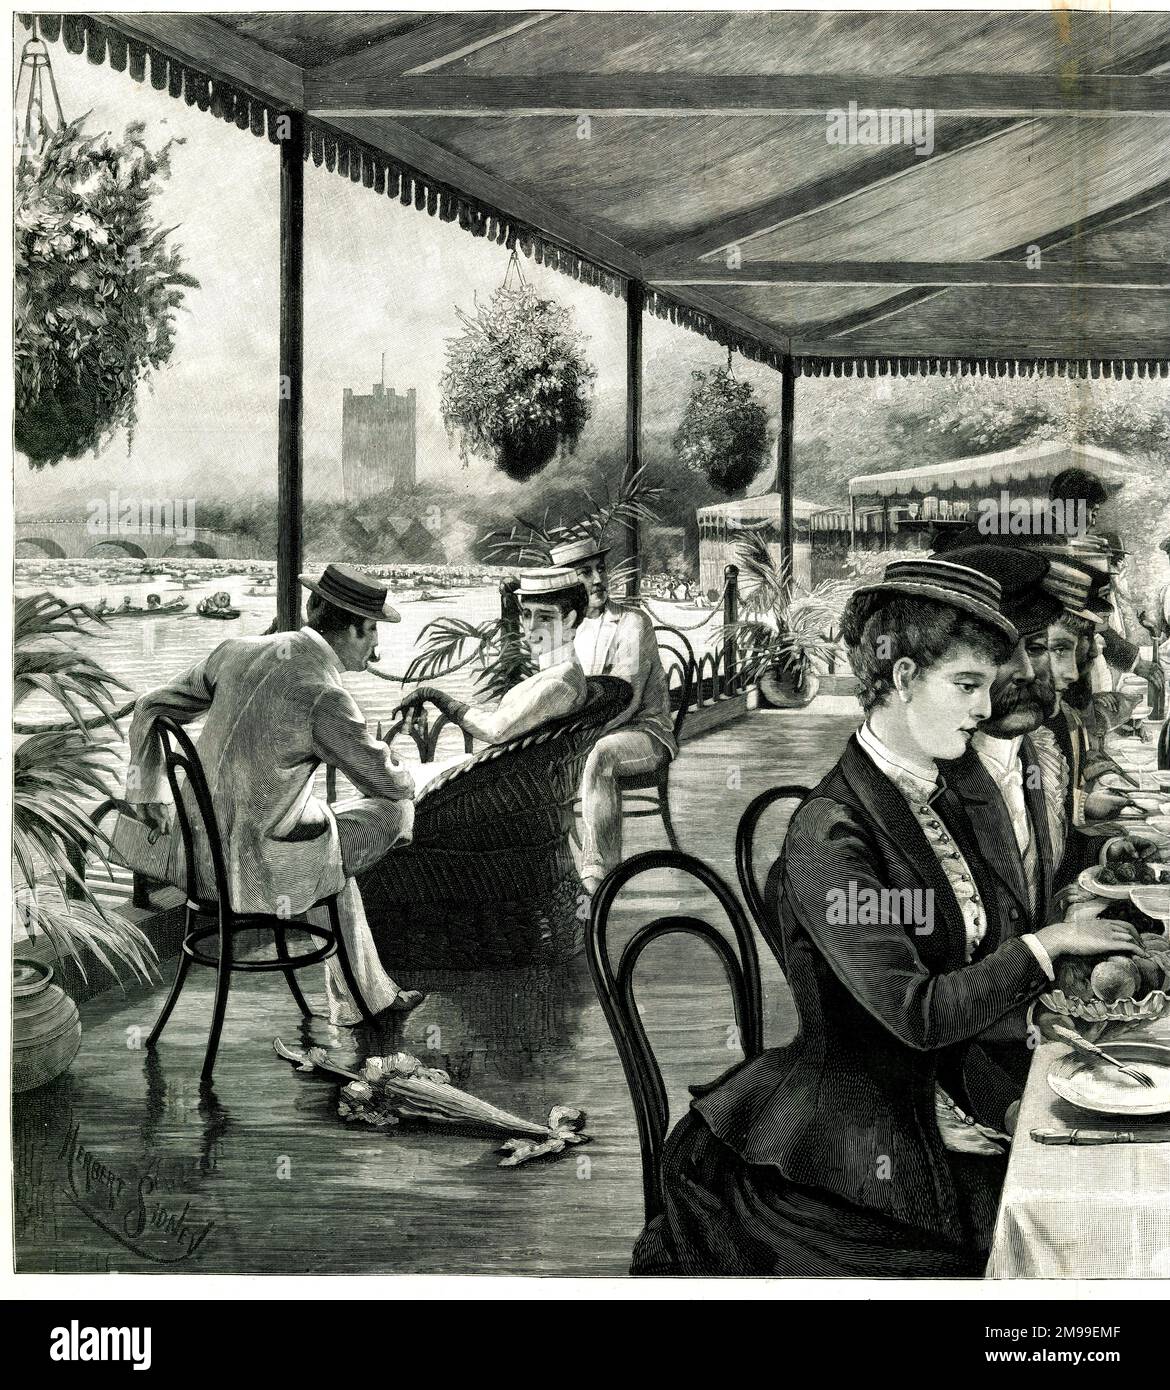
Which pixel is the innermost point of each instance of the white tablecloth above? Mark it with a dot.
(1081, 1213)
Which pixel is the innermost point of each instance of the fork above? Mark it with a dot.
(1086, 1046)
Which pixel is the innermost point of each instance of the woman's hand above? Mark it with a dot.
(1090, 937)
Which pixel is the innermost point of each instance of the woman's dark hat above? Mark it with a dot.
(942, 581)
(356, 592)
(1020, 574)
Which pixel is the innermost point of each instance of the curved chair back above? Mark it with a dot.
(179, 755)
(679, 648)
(758, 898)
(615, 989)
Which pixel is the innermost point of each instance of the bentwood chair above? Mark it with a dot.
(615, 988)
(212, 918)
(648, 794)
(762, 902)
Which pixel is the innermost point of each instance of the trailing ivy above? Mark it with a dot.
(97, 287)
(724, 430)
(517, 385)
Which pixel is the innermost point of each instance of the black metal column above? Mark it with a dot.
(635, 305)
(290, 445)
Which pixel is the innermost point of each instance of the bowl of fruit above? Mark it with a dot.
(1125, 862)
(1114, 989)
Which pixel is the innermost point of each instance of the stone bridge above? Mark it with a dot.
(67, 538)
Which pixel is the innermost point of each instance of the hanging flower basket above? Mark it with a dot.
(724, 430)
(97, 288)
(517, 385)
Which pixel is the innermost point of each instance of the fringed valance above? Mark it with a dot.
(340, 154)
(1082, 368)
(711, 327)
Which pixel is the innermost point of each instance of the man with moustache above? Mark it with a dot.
(1012, 784)
(616, 641)
(1070, 643)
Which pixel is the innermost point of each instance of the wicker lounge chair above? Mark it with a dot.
(489, 881)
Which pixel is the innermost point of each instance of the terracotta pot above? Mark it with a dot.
(46, 1029)
(778, 689)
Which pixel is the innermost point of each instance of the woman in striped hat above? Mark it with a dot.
(852, 1151)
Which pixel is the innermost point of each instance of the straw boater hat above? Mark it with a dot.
(1079, 588)
(943, 581)
(576, 552)
(1020, 574)
(346, 587)
(546, 584)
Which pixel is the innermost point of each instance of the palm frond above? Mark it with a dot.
(443, 642)
(63, 673)
(528, 541)
(74, 929)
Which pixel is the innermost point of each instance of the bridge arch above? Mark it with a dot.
(193, 550)
(115, 547)
(41, 545)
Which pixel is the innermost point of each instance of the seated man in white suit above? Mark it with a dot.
(552, 604)
(616, 640)
(274, 710)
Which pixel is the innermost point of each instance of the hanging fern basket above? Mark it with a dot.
(724, 430)
(517, 385)
(97, 288)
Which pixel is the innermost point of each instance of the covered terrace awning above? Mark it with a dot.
(844, 192)
(751, 171)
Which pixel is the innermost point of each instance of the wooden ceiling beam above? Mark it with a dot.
(1048, 275)
(219, 52)
(1097, 95)
(1154, 196)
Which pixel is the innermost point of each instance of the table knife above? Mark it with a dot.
(1157, 1135)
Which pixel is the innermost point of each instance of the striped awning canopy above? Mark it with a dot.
(860, 191)
(1030, 463)
(747, 512)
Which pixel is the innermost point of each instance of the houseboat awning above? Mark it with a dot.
(1030, 463)
(856, 192)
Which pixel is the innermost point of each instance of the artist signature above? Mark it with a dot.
(127, 1209)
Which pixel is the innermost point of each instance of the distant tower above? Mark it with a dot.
(377, 441)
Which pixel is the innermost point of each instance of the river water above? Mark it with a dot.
(146, 652)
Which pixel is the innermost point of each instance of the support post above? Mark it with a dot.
(289, 447)
(635, 305)
(784, 484)
(730, 616)
(509, 607)
(852, 523)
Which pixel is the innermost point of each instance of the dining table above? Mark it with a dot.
(1084, 1210)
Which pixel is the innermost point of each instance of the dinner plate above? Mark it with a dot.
(1089, 880)
(1092, 1084)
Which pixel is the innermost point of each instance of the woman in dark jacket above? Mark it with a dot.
(854, 1151)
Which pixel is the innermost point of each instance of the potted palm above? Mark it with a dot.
(786, 639)
(59, 768)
